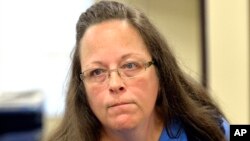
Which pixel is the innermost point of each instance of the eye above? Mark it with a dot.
(96, 72)
(130, 66)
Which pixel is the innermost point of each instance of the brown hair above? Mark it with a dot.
(179, 97)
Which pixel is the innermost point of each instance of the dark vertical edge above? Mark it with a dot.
(204, 51)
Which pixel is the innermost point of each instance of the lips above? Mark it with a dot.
(119, 104)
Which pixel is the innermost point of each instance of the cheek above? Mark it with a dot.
(95, 97)
(146, 90)
(149, 83)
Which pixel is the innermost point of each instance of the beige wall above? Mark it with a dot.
(178, 21)
(228, 34)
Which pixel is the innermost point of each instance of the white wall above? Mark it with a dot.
(228, 42)
(36, 38)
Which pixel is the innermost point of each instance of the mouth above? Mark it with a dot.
(119, 104)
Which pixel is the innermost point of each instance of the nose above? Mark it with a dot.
(116, 84)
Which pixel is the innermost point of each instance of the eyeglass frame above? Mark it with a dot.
(146, 65)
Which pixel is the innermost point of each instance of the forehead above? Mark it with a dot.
(107, 28)
(110, 40)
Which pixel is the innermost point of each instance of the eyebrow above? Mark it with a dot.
(125, 56)
(129, 55)
(95, 62)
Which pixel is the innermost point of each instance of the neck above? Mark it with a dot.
(149, 130)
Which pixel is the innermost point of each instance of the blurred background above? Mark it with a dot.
(209, 38)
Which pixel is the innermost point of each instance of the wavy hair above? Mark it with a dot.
(179, 97)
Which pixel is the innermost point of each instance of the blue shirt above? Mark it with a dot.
(180, 135)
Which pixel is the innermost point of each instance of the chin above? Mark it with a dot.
(124, 122)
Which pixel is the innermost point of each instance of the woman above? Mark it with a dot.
(126, 85)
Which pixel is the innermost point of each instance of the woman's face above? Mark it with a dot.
(117, 101)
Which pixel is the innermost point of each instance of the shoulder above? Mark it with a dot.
(226, 128)
(175, 132)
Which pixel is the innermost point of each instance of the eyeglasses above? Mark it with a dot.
(126, 70)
